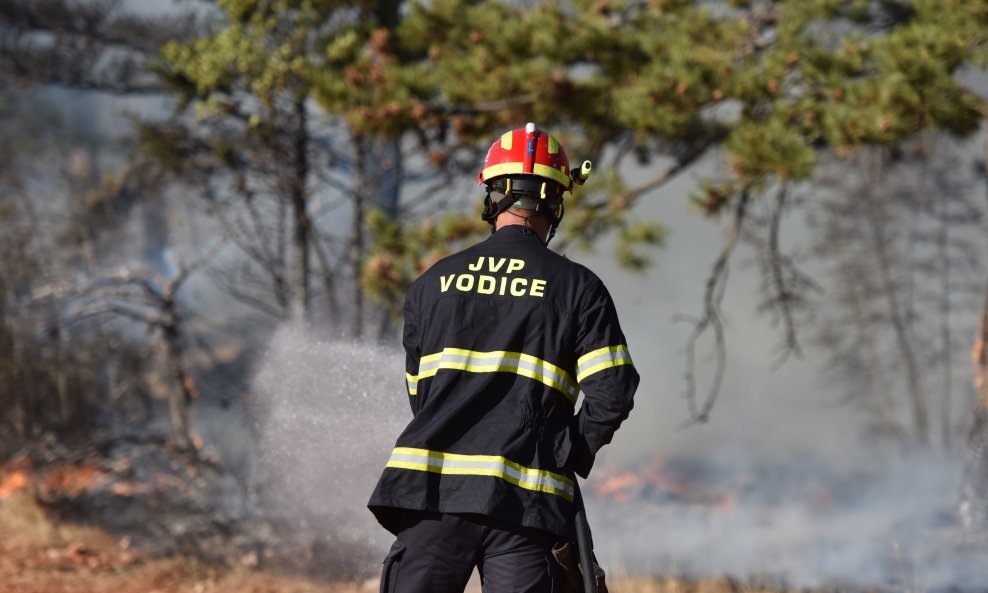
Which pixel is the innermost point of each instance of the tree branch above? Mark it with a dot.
(787, 284)
(710, 319)
(691, 155)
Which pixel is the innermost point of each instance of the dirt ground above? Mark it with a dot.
(40, 555)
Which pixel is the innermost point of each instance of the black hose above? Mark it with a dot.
(584, 545)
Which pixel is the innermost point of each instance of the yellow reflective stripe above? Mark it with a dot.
(482, 465)
(506, 141)
(499, 361)
(413, 380)
(502, 169)
(551, 173)
(537, 169)
(600, 359)
(553, 147)
(604, 365)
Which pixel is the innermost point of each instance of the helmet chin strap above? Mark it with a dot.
(554, 222)
(494, 209)
(512, 191)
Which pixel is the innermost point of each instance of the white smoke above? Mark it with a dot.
(798, 526)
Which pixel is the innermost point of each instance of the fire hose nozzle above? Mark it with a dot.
(579, 176)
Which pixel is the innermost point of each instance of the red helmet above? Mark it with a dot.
(527, 151)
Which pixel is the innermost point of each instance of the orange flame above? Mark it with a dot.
(12, 483)
(72, 481)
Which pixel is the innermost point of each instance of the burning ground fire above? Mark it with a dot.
(685, 482)
(21, 475)
(60, 480)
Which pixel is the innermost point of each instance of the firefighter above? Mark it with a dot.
(500, 339)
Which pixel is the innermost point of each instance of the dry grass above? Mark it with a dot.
(41, 555)
(26, 525)
(675, 585)
(650, 585)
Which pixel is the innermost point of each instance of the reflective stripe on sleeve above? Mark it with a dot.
(600, 359)
(412, 382)
(494, 362)
(481, 465)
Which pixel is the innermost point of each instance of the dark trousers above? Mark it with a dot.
(436, 553)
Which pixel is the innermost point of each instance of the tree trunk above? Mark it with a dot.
(299, 306)
(6, 340)
(180, 399)
(11, 369)
(363, 189)
(66, 409)
(379, 177)
(390, 175)
(974, 489)
(8, 398)
(328, 281)
(879, 388)
(943, 239)
(897, 316)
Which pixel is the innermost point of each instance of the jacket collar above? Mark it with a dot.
(515, 232)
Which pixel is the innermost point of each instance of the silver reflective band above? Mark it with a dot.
(600, 359)
(493, 362)
(481, 465)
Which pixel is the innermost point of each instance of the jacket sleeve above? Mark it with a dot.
(410, 341)
(606, 375)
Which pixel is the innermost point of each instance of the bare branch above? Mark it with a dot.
(783, 295)
(711, 319)
(124, 310)
(898, 316)
(185, 271)
(232, 287)
(100, 21)
(786, 284)
(326, 268)
(93, 45)
(128, 278)
(865, 330)
(689, 156)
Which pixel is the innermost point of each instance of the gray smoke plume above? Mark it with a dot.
(326, 416)
(797, 525)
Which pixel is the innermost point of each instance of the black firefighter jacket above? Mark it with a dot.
(500, 339)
